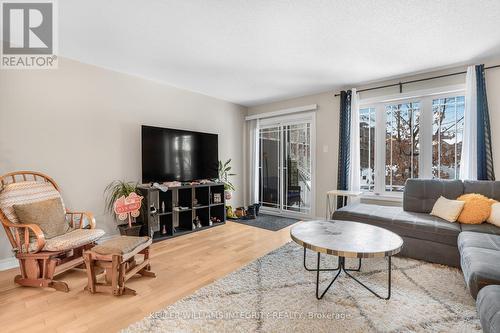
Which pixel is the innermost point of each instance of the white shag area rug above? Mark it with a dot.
(276, 294)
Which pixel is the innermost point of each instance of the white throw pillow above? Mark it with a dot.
(495, 214)
(447, 209)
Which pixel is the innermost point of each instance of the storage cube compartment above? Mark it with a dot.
(217, 191)
(184, 221)
(203, 215)
(218, 212)
(165, 200)
(166, 226)
(185, 197)
(202, 196)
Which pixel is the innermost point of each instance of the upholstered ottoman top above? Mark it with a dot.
(120, 245)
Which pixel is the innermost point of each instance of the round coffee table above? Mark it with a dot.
(346, 239)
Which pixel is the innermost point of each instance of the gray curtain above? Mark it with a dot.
(344, 142)
(485, 169)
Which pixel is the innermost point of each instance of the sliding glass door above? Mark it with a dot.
(297, 167)
(270, 167)
(285, 166)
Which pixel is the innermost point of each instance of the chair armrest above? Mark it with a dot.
(23, 246)
(77, 219)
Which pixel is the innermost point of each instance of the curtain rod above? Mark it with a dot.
(400, 84)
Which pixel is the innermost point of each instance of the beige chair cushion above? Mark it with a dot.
(25, 193)
(72, 239)
(120, 245)
(48, 214)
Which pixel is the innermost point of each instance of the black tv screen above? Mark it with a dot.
(173, 154)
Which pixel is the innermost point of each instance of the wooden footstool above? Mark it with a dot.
(117, 257)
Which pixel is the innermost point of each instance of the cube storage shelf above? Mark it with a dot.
(171, 213)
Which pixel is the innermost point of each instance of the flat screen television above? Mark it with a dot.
(172, 154)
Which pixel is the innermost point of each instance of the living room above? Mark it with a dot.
(250, 166)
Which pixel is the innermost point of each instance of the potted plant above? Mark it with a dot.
(114, 191)
(224, 175)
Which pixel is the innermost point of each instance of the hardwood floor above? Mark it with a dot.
(182, 265)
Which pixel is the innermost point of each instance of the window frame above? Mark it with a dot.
(425, 98)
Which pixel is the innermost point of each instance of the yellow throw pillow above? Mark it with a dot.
(447, 209)
(477, 208)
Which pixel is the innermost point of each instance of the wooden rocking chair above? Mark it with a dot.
(41, 259)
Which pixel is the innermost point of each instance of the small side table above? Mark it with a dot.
(331, 200)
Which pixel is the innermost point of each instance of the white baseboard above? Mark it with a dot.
(8, 263)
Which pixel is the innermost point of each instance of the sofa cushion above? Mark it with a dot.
(478, 239)
(485, 228)
(488, 308)
(480, 267)
(73, 239)
(405, 224)
(420, 195)
(490, 189)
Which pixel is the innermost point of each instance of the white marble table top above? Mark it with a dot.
(346, 239)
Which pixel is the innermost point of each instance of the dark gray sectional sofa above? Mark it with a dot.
(488, 307)
(474, 248)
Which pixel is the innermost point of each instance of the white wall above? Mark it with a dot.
(327, 121)
(80, 124)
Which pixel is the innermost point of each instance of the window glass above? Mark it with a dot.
(402, 145)
(367, 148)
(447, 136)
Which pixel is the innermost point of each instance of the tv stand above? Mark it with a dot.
(171, 213)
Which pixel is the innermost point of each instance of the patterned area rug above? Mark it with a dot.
(268, 222)
(275, 294)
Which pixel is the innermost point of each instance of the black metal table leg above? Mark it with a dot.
(321, 269)
(370, 290)
(339, 269)
(318, 296)
(354, 269)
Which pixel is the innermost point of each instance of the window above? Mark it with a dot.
(413, 138)
(401, 144)
(367, 148)
(447, 130)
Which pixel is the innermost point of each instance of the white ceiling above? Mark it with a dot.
(252, 52)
